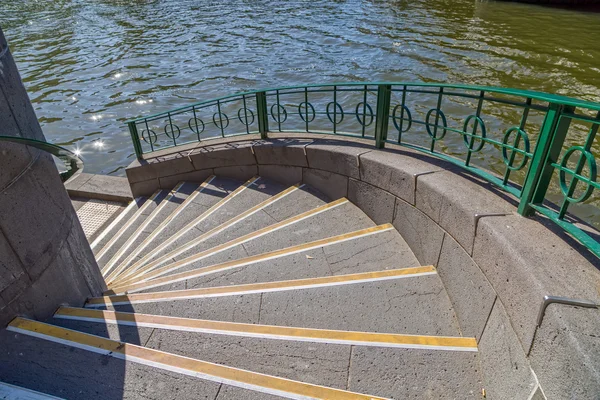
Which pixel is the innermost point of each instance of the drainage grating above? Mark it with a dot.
(94, 214)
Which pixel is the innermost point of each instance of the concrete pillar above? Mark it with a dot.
(45, 259)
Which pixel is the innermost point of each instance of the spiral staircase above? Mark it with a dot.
(248, 290)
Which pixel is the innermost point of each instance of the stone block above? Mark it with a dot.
(422, 234)
(169, 182)
(178, 163)
(376, 203)
(471, 294)
(227, 155)
(334, 186)
(566, 352)
(145, 188)
(290, 152)
(454, 202)
(238, 172)
(396, 171)
(77, 181)
(11, 268)
(140, 170)
(525, 260)
(336, 156)
(506, 371)
(287, 175)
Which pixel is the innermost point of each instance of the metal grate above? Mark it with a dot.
(94, 214)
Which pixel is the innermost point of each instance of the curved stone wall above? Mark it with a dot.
(45, 259)
(497, 266)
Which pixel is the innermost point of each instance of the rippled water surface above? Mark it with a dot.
(90, 65)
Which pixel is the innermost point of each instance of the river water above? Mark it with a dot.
(90, 65)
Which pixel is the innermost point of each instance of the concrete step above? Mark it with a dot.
(129, 227)
(116, 224)
(156, 221)
(227, 245)
(234, 209)
(164, 361)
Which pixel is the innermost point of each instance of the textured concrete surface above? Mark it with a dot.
(411, 305)
(415, 374)
(470, 292)
(566, 353)
(422, 234)
(107, 237)
(101, 187)
(376, 203)
(334, 186)
(317, 363)
(454, 201)
(522, 272)
(336, 156)
(45, 258)
(396, 171)
(71, 373)
(506, 370)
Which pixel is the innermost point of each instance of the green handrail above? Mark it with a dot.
(538, 147)
(73, 163)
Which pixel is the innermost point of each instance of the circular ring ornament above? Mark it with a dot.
(428, 124)
(246, 111)
(303, 115)
(149, 136)
(369, 115)
(337, 106)
(409, 119)
(195, 123)
(281, 111)
(520, 135)
(171, 133)
(219, 122)
(469, 144)
(591, 162)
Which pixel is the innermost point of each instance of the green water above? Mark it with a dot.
(90, 65)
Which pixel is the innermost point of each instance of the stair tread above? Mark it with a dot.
(105, 235)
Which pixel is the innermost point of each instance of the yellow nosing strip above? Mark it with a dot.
(131, 240)
(263, 287)
(270, 331)
(183, 365)
(192, 224)
(116, 222)
(117, 235)
(195, 273)
(123, 266)
(181, 249)
(147, 274)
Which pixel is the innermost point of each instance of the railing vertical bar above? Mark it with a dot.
(402, 114)
(196, 122)
(172, 130)
(517, 141)
(475, 125)
(437, 118)
(306, 107)
(550, 142)
(220, 118)
(149, 138)
(135, 138)
(580, 164)
(246, 115)
(334, 110)
(278, 112)
(364, 110)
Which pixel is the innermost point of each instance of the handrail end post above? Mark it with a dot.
(263, 117)
(135, 138)
(384, 94)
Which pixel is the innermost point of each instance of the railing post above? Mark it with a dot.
(135, 138)
(262, 114)
(552, 137)
(384, 94)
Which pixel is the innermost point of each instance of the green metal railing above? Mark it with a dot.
(538, 147)
(73, 164)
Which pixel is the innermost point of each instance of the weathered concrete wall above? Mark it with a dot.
(45, 259)
(496, 265)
